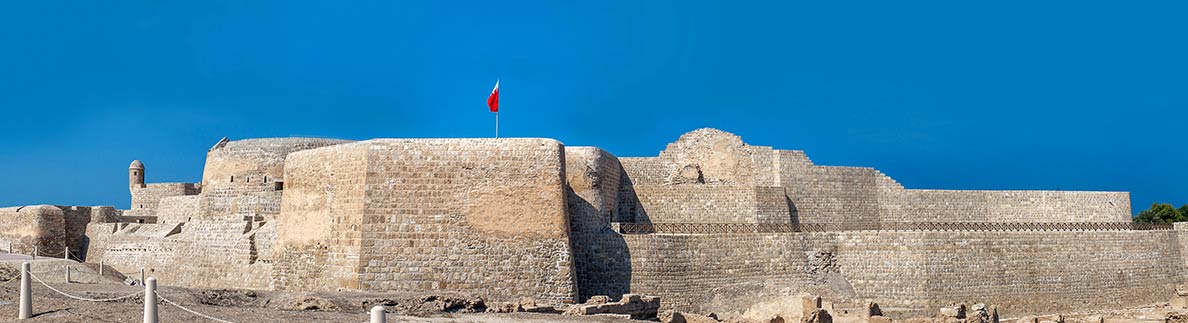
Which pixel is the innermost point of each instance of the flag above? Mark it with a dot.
(493, 100)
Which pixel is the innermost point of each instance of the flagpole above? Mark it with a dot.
(496, 124)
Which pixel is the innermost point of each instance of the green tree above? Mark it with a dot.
(1161, 213)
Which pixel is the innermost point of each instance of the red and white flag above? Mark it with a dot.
(493, 100)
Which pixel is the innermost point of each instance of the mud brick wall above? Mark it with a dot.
(145, 199)
(479, 216)
(36, 225)
(1010, 206)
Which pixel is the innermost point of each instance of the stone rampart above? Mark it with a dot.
(43, 226)
(479, 216)
(146, 199)
(710, 204)
(244, 178)
(1024, 272)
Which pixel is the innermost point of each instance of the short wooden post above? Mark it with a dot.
(378, 315)
(150, 301)
(26, 310)
(67, 274)
(100, 267)
(66, 254)
(142, 281)
(34, 253)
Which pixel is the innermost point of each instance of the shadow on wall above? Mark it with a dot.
(793, 214)
(629, 208)
(603, 259)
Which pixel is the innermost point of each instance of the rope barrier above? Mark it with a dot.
(82, 298)
(162, 297)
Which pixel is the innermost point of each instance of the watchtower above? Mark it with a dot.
(136, 174)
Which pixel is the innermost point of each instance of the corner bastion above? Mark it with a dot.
(710, 224)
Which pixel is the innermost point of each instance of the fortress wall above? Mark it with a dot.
(145, 199)
(316, 245)
(831, 194)
(480, 216)
(723, 158)
(698, 203)
(601, 263)
(240, 177)
(177, 209)
(1010, 206)
(1023, 272)
(717, 272)
(36, 225)
(1048, 272)
(75, 223)
(206, 254)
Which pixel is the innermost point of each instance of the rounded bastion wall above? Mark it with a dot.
(43, 226)
(245, 177)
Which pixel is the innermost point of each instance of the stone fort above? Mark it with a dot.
(712, 224)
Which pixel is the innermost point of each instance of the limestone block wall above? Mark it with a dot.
(601, 263)
(479, 216)
(36, 225)
(1023, 272)
(146, 199)
(318, 235)
(694, 203)
(177, 209)
(240, 178)
(1009, 206)
(831, 194)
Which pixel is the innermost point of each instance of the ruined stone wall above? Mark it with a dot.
(36, 225)
(146, 199)
(479, 216)
(1009, 206)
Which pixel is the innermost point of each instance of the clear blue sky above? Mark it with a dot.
(1077, 95)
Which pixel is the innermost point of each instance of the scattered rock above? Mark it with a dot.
(820, 316)
(638, 307)
(310, 303)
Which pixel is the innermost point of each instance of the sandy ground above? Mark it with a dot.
(270, 306)
(50, 306)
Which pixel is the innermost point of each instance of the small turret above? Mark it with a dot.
(136, 174)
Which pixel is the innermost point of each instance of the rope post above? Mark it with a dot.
(10, 247)
(150, 301)
(26, 310)
(68, 274)
(142, 281)
(100, 267)
(66, 254)
(34, 252)
(378, 315)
